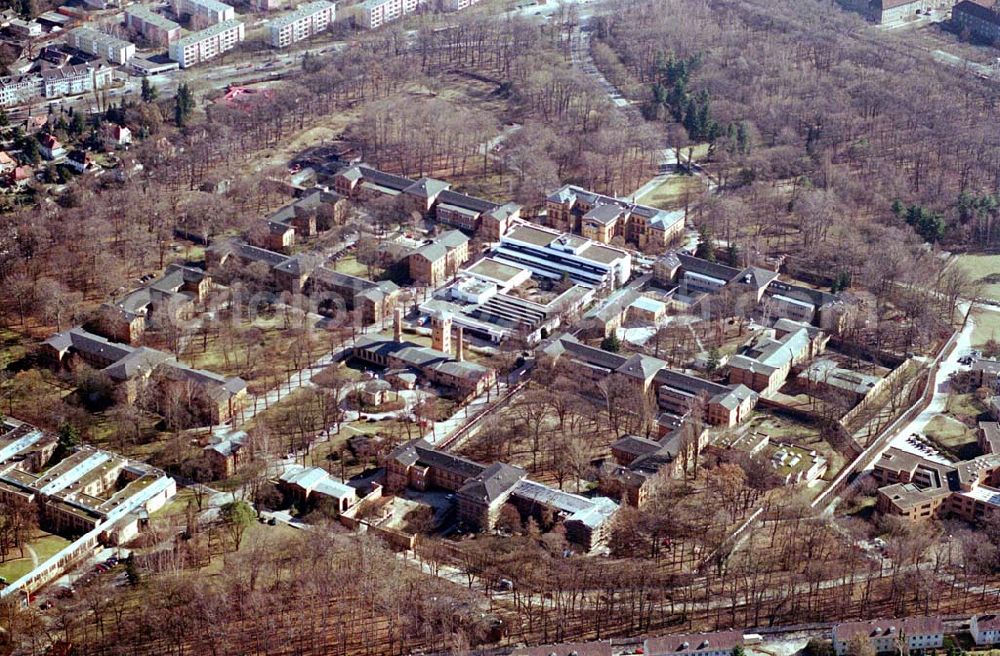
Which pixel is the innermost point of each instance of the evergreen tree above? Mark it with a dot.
(611, 343)
(184, 105)
(148, 91)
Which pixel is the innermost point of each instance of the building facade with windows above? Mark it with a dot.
(207, 44)
(308, 19)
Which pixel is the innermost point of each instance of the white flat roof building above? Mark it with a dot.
(554, 255)
(206, 44)
(308, 19)
(376, 12)
(115, 50)
(205, 12)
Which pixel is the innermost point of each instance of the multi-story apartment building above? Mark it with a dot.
(555, 255)
(981, 19)
(71, 80)
(206, 44)
(308, 19)
(602, 218)
(156, 28)
(720, 643)
(918, 487)
(985, 629)
(18, 89)
(913, 634)
(115, 50)
(204, 13)
(374, 13)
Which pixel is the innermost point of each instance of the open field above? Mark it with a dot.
(952, 438)
(45, 545)
(987, 326)
(671, 193)
(984, 269)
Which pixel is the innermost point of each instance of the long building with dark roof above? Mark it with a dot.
(481, 491)
(676, 392)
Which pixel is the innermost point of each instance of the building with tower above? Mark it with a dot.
(436, 365)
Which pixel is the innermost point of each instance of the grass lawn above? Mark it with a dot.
(255, 349)
(952, 437)
(670, 194)
(965, 405)
(350, 265)
(984, 269)
(987, 326)
(45, 545)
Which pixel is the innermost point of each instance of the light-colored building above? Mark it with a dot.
(985, 629)
(115, 50)
(308, 19)
(720, 643)
(91, 496)
(887, 636)
(207, 44)
(154, 27)
(19, 89)
(25, 29)
(374, 13)
(204, 13)
(555, 255)
(312, 484)
(72, 80)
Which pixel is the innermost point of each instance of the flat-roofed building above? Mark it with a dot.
(374, 13)
(156, 28)
(204, 13)
(555, 256)
(115, 50)
(307, 20)
(207, 44)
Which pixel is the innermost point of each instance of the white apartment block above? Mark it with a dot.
(158, 29)
(919, 633)
(19, 89)
(985, 629)
(376, 12)
(204, 13)
(308, 19)
(113, 49)
(72, 80)
(457, 5)
(206, 44)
